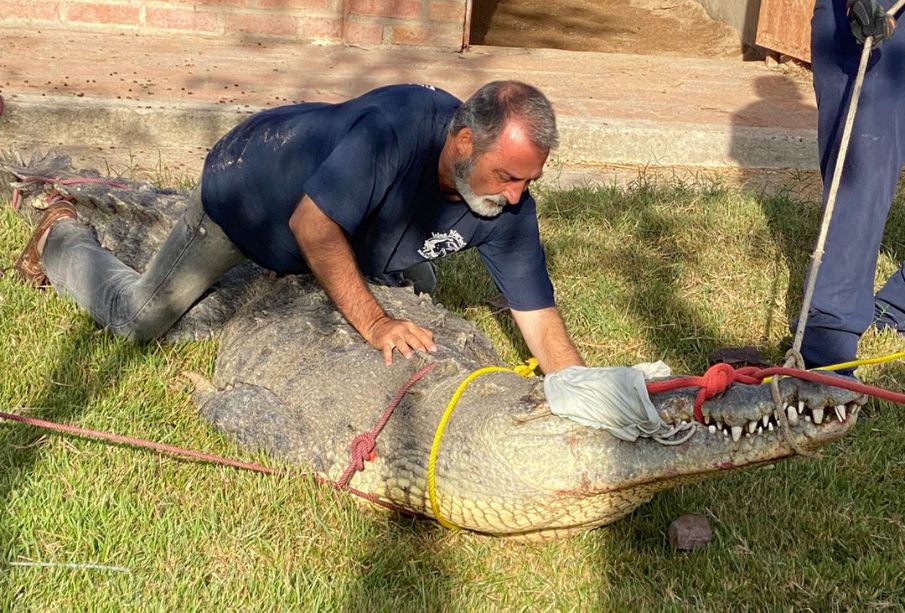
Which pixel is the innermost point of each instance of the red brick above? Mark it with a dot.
(44, 11)
(301, 5)
(264, 24)
(427, 36)
(410, 35)
(363, 33)
(447, 11)
(322, 28)
(182, 19)
(400, 9)
(103, 13)
(216, 3)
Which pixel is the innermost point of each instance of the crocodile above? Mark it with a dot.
(294, 379)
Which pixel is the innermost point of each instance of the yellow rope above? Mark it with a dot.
(523, 370)
(889, 357)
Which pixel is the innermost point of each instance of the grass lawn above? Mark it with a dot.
(655, 270)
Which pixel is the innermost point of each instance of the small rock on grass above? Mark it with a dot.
(689, 532)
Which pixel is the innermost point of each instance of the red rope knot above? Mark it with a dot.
(715, 381)
(364, 447)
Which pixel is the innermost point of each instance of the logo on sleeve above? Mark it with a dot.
(441, 244)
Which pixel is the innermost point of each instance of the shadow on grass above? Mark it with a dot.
(393, 572)
(636, 270)
(70, 385)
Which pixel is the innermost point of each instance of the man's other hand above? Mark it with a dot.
(404, 336)
(869, 18)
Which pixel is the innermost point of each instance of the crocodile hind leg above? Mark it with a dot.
(254, 417)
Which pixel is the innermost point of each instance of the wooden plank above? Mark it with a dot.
(785, 26)
(466, 32)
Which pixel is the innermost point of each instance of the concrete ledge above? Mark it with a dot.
(646, 143)
(121, 133)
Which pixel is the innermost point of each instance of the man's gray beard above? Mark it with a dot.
(485, 206)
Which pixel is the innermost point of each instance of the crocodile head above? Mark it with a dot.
(604, 478)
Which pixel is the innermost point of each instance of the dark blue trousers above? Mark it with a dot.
(843, 305)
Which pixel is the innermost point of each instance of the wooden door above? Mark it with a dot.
(785, 26)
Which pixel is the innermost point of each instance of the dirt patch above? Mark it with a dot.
(649, 27)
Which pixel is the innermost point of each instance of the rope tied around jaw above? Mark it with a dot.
(720, 377)
(716, 380)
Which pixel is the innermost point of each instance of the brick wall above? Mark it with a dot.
(434, 23)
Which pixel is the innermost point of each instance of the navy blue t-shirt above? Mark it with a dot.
(370, 164)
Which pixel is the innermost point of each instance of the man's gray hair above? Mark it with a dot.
(496, 103)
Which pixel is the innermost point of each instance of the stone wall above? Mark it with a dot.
(740, 14)
(433, 23)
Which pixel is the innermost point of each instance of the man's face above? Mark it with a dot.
(490, 180)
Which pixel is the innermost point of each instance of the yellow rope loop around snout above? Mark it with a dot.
(523, 370)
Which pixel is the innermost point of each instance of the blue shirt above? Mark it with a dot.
(371, 165)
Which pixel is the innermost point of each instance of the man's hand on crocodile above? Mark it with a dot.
(330, 258)
(387, 334)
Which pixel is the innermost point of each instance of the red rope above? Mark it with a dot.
(364, 446)
(191, 455)
(135, 442)
(719, 377)
(341, 485)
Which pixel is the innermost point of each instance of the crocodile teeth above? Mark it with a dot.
(792, 414)
(800, 407)
(736, 433)
(765, 420)
(752, 427)
(818, 416)
(712, 429)
(840, 412)
(770, 427)
(760, 429)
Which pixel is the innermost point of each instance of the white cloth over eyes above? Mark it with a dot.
(614, 399)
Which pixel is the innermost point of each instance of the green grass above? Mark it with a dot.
(655, 270)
